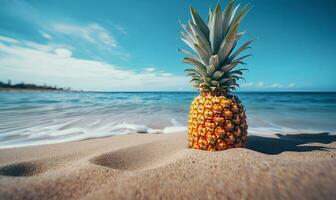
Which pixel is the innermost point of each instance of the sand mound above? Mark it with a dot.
(142, 157)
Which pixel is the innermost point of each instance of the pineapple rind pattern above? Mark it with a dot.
(217, 123)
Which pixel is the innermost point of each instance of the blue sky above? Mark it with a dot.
(131, 45)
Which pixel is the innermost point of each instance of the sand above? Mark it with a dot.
(149, 166)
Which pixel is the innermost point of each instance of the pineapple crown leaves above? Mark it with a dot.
(215, 55)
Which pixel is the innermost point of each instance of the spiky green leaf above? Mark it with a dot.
(214, 83)
(227, 44)
(217, 75)
(196, 80)
(211, 69)
(238, 71)
(204, 44)
(214, 61)
(200, 37)
(186, 52)
(199, 22)
(230, 66)
(240, 16)
(224, 80)
(210, 17)
(188, 42)
(202, 53)
(216, 30)
(199, 67)
(192, 74)
(241, 49)
(242, 57)
(226, 17)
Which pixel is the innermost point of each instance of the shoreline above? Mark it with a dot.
(252, 133)
(153, 166)
(30, 90)
(33, 90)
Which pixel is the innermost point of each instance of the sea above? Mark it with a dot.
(34, 118)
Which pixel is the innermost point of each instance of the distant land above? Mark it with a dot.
(29, 87)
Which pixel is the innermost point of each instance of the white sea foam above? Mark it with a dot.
(53, 133)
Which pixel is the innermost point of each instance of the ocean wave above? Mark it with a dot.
(44, 118)
(62, 132)
(67, 132)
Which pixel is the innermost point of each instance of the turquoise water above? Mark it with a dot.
(30, 118)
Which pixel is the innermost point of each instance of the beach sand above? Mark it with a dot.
(149, 166)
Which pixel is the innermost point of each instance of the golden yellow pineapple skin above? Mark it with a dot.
(217, 123)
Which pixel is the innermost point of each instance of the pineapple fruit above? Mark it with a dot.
(217, 119)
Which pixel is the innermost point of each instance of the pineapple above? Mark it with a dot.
(217, 119)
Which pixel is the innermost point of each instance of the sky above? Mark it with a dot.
(131, 45)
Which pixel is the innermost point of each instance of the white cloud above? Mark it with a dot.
(63, 53)
(46, 35)
(93, 33)
(247, 85)
(166, 74)
(37, 46)
(121, 29)
(291, 85)
(8, 40)
(260, 84)
(149, 69)
(39, 64)
(153, 72)
(50, 47)
(277, 85)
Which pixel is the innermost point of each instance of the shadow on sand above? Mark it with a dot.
(289, 142)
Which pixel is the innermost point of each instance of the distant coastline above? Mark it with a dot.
(32, 90)
(29, 87)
